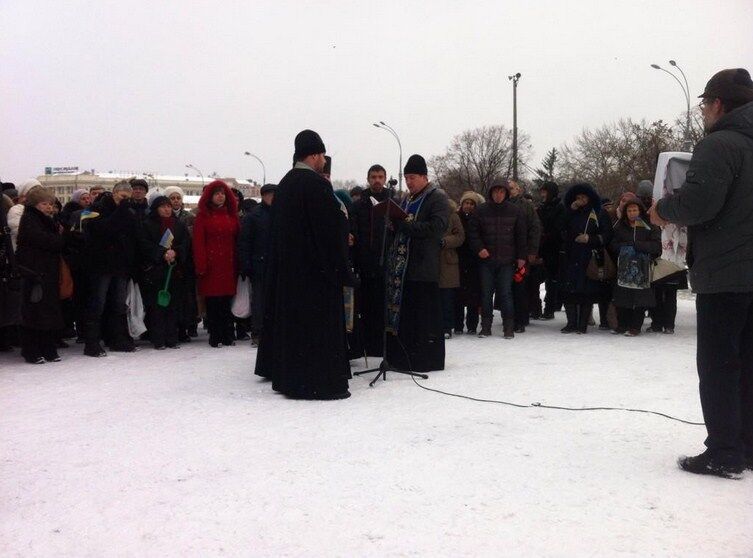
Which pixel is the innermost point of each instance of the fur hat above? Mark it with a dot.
(156, 192)
(139, 183)
(416, 165)
(38, 195)
(157, 201)
(26, 185)
(268, 189)
(475, 197)
(170, 190)
(308, 143)
(76, 195)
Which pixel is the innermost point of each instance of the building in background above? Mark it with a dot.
(65, 183)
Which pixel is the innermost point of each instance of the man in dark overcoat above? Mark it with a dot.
(302, 348)
(368, 234)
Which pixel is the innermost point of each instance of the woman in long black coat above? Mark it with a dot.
(587, 228)
(40, 246)
(633, 230)
(156, 257)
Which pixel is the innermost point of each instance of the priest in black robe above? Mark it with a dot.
(302, 348)
(368, 233)
(415, 340)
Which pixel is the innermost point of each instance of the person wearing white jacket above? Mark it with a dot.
(15, 212)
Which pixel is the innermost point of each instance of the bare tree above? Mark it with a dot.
(616, 156)
(478, 157)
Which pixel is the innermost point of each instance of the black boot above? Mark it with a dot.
(584, 314)
(572, 319)
(508, 327)
(92, 346)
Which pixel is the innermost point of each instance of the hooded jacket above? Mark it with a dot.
(500, 228)
(716, 203)
(215, 233)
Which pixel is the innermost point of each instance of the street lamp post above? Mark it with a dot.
(687, 143)
(383, 126)
(263, 168)
(201, 174)
(514, 78)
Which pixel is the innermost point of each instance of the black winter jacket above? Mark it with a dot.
(110, 238)
(501, 229)
(253, 239)
(716, 203)
(368, 230)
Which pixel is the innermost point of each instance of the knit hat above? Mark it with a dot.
(26, 185)
(8, 186)
(170, 190)
(157, 201)
(416, 165)
(38, 195)
(268, 188)
(475, 197)
(76, 195)
(729, 85)
(645, 189)
(308, 143)
(139, 183)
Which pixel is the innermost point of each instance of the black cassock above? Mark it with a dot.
(302, 347)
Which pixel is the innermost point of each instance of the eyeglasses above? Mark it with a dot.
(706, 101)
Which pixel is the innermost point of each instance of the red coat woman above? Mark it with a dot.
(215, 233)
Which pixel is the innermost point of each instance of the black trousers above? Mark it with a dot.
(219, 319)
(520, 301)
(725, 372)
(370, 306)
(36, 343)
(629, 318)
(664, 313)
(163, 324)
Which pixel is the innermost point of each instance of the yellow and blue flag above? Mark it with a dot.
(167, 239)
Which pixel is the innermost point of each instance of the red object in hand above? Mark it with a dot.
(520, 274)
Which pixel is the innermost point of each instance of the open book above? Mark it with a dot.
(390, 208)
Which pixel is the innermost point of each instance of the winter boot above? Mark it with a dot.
(486, 329)
(572, 319)
(92, 346)
(583, 316)
(508, 328)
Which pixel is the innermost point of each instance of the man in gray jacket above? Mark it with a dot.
(716, 203)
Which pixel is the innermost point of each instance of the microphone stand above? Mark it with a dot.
(385, 366)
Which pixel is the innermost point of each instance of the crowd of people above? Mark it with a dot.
(336, 275)
(77, 271)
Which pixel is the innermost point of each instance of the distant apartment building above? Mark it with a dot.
(64, 184)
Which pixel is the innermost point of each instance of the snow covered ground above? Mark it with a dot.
(186, 453)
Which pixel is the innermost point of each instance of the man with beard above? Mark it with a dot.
(552, 216)
(716, 204)
(302, 347)
(414, 317)
(368, 234)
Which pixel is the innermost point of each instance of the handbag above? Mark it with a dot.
(664, 268)
(241, 307)
(600, 266)
(634, 269)
(66, 280)
(135, 306)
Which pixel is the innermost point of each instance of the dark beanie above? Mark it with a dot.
(730, 85)
(308, 143)
(268, 188)
(158, 201)
(415, 165)
(135, 182)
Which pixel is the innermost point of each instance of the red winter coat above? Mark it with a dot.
(214, 236)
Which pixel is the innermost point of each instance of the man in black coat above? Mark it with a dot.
(716, 203)
(110, 238)
(498, 235)
(302, 348)
(552, 216)
(368, 235)
(416, 339)
(253, 241)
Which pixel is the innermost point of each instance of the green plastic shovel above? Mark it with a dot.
(163, 296)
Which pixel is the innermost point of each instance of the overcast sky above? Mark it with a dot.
(152, 85)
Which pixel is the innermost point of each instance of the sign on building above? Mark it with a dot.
(61, 170)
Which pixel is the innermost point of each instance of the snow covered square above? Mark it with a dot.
(187, 453)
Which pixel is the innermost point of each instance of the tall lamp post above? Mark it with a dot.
(383, 126)
(263, 168)
(201, 174)
(687, 144)
(514, 78)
